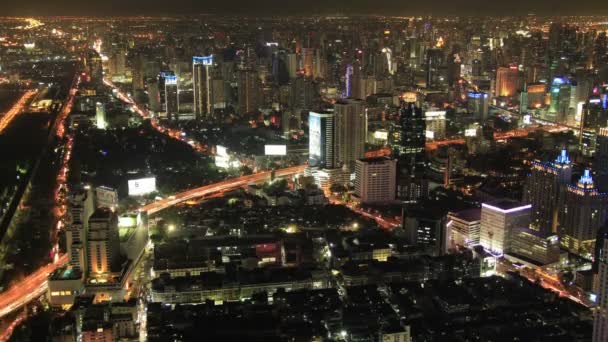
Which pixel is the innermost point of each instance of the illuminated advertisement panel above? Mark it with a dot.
(275, 150)
(142, 186)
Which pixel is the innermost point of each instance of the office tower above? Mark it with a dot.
(600, 324)
(560, 99)
(307, 61)
(600, 160)
(426, 227)
(476, 68)
(594, 116)
(435, 123)
(154, 96)
(103, 244)
(498, 223)
(542, 248)
(464, 227)
(100, 116)
(171, 97)
(117, 62)
(581, 215)
(375, 180)
(201, 82)
(303, 93)
(408, 142)
(138, 71)
(350, 128)
(79, 209)
(536, 95)
(321, 140)
(507, 81)
(433, 63)
(94, 66)
(292, 65)
(248, 91)
(478, 104)
(544, 188)
(218, 94)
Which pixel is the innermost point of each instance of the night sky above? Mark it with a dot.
(303, 7)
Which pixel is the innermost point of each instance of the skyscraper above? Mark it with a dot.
(409, 142)
(321, 140)
(100, 116)
(600, 324)
(201, 85)
(375, 180)
(248, 90)
(600, 161)
(103, 245)
(581, 215)
(544, 188)
(498, 223)
(79, 209)
(507, 80)
(350, 131)
(171, 97)
(433, 63)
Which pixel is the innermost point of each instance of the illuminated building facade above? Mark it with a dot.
(350, 127)
(544, 188)
(171, 97)
(581, 215)
(201, 80)
(321, 140)
(507, 81)
(375, 180)
(498, 222)
(103, 245)
(464, 227)
(478, 104)
(600, 326)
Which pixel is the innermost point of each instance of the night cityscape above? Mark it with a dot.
(356, 172)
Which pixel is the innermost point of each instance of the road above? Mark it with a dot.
(144, 113)
(17, 109)
(220, 187)
(28, 289)
(35, 285)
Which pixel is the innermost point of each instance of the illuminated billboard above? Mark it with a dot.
(275, 150)
(470, 132)
(429, 135)
(142, 186)
(170, 80)
(202, 60)
(381, 135)
(314, 139)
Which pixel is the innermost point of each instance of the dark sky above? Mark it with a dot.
(397, 7)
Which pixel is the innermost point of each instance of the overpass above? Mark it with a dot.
(220, 187)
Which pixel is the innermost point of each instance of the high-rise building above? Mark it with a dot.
(464, 227)
(498, 223)
(248, 91)
(433, 63)
(581, 215)
(560, 99)
(600, 325)
(79, 209)
(375, 180)
(507, 81)
(100, 116)
(409, 142)
(321, 140)
(536, 95)
(94, 66)
(544, 188)
(171, 97)
(600, 161)
(478, 104)
(201, 81)
(350, 127)
(103, 244)
(154, 96)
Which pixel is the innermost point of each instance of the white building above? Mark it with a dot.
(498, 222)
(375, 180)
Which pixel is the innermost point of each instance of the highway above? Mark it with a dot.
(220, 187)
(17, 109)
(28, 289)
(172, 132)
